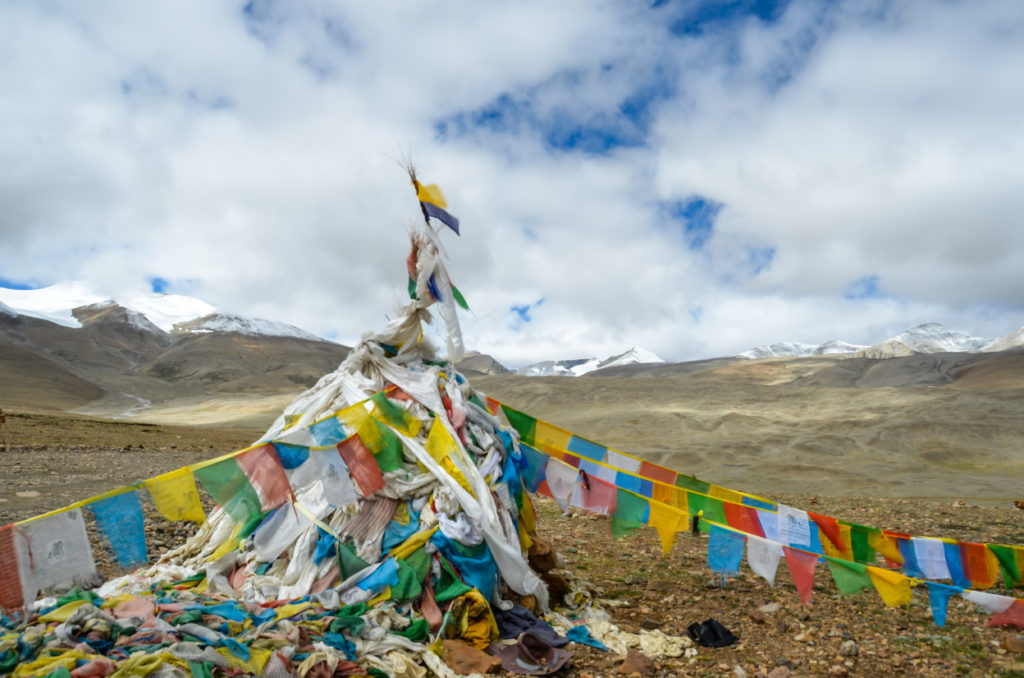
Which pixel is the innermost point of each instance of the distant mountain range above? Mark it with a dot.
(926, 338)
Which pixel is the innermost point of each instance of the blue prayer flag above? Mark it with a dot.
(120, 520)
(938, 596)
(441, 215)
(725, 550)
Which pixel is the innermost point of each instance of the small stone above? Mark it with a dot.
(848, 649)
(770, 608)
(757, 616)
(803, 636)
(650, 624)
(1013, 644)
(27, 494)
(837, 671)
(779, 672)
(739, 672)
(637, 662)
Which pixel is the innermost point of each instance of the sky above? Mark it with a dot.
(696, 178)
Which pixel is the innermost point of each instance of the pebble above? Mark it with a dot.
(739, 672)
(779, 672)
(757, 616)
(848, 649)
(1014, 644)
(770, 608)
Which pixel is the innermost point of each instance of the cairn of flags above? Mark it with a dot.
(388, 508)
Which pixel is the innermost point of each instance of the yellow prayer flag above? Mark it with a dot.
(439, 442)
(431, 193)
(414, 543)
(671, 495)
(524, 539)
(527, 514)
(63, 613)
(892, 586)
(175, 496)
(454, 472)
(380, 597)
(551, 437)
(667, 521)
(886, 545)
(228, 545)
(253, 665)
(725, 494)
(291, 609)
(352, 417)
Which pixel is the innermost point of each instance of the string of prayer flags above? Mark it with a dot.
(523, 423)
(830, 527)
(1007, 559)
(763, 557)
(801, 569)
(930, 556)
(328, 431)
(120, 521)
(725, 550)
(742, 518)
(175, 496)
(954, 564)
(990, 602)
(980, 565)
(1011, 616)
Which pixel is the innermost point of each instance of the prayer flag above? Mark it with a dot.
(801, 568)
(11, 596)
(291, 456)
(175, 496)
(909, 553)
(938, 597)
(631, 512)
(885, 544)
(523, 423)
(893, 587)
(725, 494)
(930, 555)
(622, 462)
(712, 509)
(561, 480)
(328, 431)
(844, 535)
(120, 520)
(633, 483)
(850, 577)
(667, 522)
(1007, 558)
(230, 488)
(794, 526)
(990, 602)
(725, 550)
(533, 474)
(587, 448)
(659, 473)
(743, 518)
(267, 476)
(594, 494)
(361, 465)
(546, 435)
(830, 527)
(435, 212)
(671, 495)
(860, 535)
(395, 415)
(980, 565)
(431, 193)
(55, 551)
(691, 483)
(1013, 615)
(954, 564)
(763, 557)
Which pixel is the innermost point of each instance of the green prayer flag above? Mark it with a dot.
(523, 423)
(459, 299)
(449, 586)
(408, 586)
(419, 560)
(712, 508)
(691, 483)
(230, 488)
(417, 631)
(850, 577)
(201, 669)
(863, 552)
(1007, 564)
(393, 414)
(390, 455)
(631, 512)
(348, 562)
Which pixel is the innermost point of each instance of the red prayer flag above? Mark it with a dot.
(743, 518)
(659, 473)
(1011, 616)
(975, 561)
(11, 596)
(263, 469)
(599, 497)
(362, 465)
(830, 527)
(801, 568)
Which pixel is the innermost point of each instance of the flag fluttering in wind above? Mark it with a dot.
(433, 204)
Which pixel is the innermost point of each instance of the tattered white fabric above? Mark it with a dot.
(55, 551)
(990, 602)
(561, 478)
(763, 557)
(931, 557)
(794, 528)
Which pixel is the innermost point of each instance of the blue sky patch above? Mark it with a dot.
(717, 14)
(159, 285)
(760, 259)
(696, 215)
(521, 314)
(15, 285)
(864, 288)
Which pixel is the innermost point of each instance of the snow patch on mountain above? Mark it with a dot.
(1007, 342)
(796, 349)
(7, 311)
(223, 322)
(579, 366)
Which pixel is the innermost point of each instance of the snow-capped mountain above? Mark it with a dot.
(168, 312)
(1007, 342)
(223, 322)
(580, 366)
(926, 338)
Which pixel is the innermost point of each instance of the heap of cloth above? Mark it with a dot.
(381, 515)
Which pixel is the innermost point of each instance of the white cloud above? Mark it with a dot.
(245, 156)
